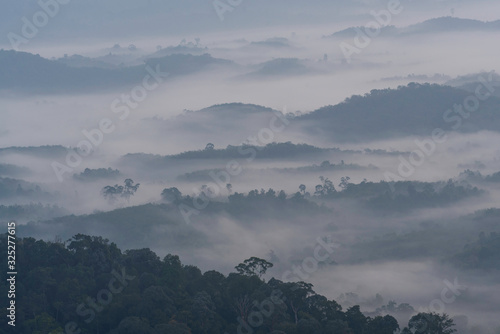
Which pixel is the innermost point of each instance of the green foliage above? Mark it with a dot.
(14, 188)
(111, 193)
(399, 196)
(253, 266)
(31, 212)
(13, 170)
(431, 323)
(165, 296)
(484, 253)
(382, 325)
(285, 150)
(96, 174)
(415, 109)
(172, 195)
(27, 72)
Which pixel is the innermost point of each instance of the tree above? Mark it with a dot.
(172, 328)
(209, 147)
(356, 320)
(326, 188)
(296, 294)
(282, 195)
(308, 326)
(325, 164)
(337, 327)
(344, 182)
(172, 195)
(382, 325)
(111, 193)
(134, 325)
(253, 266)
(129, 189)
(44, 323)
(323, 309)
(431, 323)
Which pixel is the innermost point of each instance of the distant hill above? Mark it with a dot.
(13, 170)
(25, 72)
(236, 108)
(274, 42)
(409, 110)
(20, 189)
(163, 225)
(415, 109)
(286, 150)
(46, 152)
(351, 32)
(281, 67)
(97, 174)
(81, 61)
(132, 225)
(179, 49)
(448, 23)
(471, 81)
(432, 26)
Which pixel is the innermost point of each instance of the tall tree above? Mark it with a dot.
(253, 266)
(431, 323)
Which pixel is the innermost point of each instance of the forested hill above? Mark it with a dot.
(434, 26)
(26, 72)
(88, 285)
(409, 110)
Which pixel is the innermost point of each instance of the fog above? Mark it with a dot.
(247, 84)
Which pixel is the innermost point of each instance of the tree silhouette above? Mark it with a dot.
(431, 323)
(111, 193)
(172, 195)
(344, 182)
(253, 267)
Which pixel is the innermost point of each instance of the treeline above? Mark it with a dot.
(27, 72)
(415, 109)
(484, 253)
(273, 150)
(402, 196)
(476, 176)
(12, 188)
(96, 174)
(88, 285)
(32, 211)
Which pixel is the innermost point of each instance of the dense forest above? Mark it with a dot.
(88, 285)
(255, 167)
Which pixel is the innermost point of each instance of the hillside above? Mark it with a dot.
(25, 72)
(431, 26)
(410, 110)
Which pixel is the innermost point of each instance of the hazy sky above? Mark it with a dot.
(83, 22)
(160, 124)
